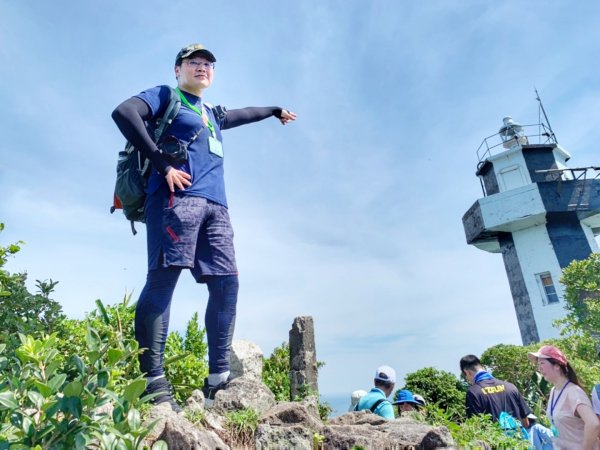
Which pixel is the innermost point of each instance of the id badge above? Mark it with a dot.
(215, 146)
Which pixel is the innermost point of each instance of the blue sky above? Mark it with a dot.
(352, 214)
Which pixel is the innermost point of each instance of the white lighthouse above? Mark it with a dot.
(538, 213)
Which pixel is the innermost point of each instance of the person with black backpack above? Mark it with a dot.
(185, 212)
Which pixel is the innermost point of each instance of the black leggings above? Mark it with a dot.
(152, 318)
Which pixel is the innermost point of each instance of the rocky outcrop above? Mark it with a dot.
(246, 360)
(289, 425)
(368, 430)
(179, 433)
(286, 425)
(244, 393)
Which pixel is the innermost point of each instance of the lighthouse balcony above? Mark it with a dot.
(529, 206)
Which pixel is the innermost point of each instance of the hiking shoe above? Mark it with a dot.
(165, 393)
(210, 391)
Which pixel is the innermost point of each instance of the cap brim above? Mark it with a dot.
(407, 401)
(203, 52)
(533, 356)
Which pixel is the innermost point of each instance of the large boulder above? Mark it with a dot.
(244, 393)
(303, 413)
(368, 430)
(179, 433)
(246, 360)
(271, 437)
(289, 425)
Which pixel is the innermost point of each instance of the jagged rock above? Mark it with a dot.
(289, 425)
(294, 413)
(270, 437)
(215, 422)
(246, 360)
(179, 433)
(244, 393)
(358, 418)
(195, 402)
(371, 431)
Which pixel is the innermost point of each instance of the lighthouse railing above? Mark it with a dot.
(494, 144)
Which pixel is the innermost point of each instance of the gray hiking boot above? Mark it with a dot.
(162, 387)
(210, 391)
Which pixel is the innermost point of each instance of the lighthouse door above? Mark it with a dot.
(511, 178)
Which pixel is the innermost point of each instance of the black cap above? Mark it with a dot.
(189, 50)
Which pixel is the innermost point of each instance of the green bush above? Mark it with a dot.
(582, 295)
(22, 311)
(185, 359)
(476, 432)
(276, 372)
(439, 388)
(52, 402)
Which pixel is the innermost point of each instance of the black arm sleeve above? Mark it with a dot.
(129, 117)
(237, 117)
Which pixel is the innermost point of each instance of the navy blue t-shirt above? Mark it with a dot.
(206, 168)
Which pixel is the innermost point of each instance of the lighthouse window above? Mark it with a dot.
(548, 287)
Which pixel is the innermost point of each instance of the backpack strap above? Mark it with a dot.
(376, 404)
(170, 112)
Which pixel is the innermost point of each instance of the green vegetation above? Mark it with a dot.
(439, 388)
(185, 359)
(23, 312)
(76, 383)
(53, 402)
(241, 426)
(473, 433)
(276, 372)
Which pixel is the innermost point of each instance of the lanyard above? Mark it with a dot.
(553, 403)
(185, 101)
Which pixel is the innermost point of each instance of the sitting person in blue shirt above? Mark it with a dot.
(376, 399)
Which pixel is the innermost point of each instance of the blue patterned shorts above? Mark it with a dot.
(190, 232)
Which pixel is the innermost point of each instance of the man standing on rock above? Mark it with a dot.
(376, 400)
(187, 220)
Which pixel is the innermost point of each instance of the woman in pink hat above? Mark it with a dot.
(574, 424)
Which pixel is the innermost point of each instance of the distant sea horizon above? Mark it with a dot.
(339, 402)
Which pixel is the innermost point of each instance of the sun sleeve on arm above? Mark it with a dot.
(237, 117)
(130, 117)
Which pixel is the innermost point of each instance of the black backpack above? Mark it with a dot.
(133, 168)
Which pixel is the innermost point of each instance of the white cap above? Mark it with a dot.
(355, 397)
(385, 373)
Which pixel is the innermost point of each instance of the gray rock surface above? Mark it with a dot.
(303, 357)
(286, 425)
(371, 431)
(244, 393)
(179, 433)
(246, 360)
